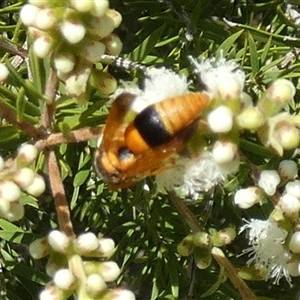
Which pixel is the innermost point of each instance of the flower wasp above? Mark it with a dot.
(134, 148)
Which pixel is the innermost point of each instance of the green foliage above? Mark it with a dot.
(144, 225)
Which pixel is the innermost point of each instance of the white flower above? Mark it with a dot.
(190, 177)
(95, 284)
(281, 91)
(220, 120)
(106, 247)
(293, 188)
(266, 242)
(159, 85)
(58, 241)
(37, 187)
(92, 51)
(268, 181)
(288, 169)
(72, 31)
(294, 244)
(101, 7)
(64, 279)
(245, 198)
(109, 270)
(224, 151)
(222, 78)
(42, 46)
(290, 205)
(77, 82)
(64, 62)
(86, 243)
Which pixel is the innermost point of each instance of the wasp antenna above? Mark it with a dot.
(124, 63)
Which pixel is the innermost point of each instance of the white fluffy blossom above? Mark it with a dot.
(222, 78)
(160, 84)
(267, 248)
(193, 176)
(268, 181)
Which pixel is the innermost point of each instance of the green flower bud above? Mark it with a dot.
(224, 237)
(250, 118)
(202, 239)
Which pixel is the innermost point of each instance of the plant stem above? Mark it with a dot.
(58, 192)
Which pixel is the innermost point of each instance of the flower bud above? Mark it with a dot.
(115, 16)
(95, 284)
(73, 31)
(186, 246)
(86, 243)
(24, 177)
(104, 82)
(109, 270)
(224, 237)
(58, 241)
(16, 212)
(229, 88)
(220, 120)
(106, 247)
(246, 100)
(93, 51)
(250, 118)
(3, 72)
(293, 188)
(294, 244)
(45, 19)
(64, 279)
(100, 7)
(293, 267)
(202, 239)
(287, 135)
(113, 44)
(82, 6)
(9, 191)
(27, 154)
(268, 181)
(37, 187)
(224, 151)
(28, 14)
(42, 46)
(202, 258)
(288, 169)
(51, 292)
(64, 62)
(101, 27)
(122, 294)
(290, 205)
(39, 248)
(279, 94)
(281, 91)
(76, 83)
(245, 198)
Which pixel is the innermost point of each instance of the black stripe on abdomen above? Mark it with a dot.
(151, 127)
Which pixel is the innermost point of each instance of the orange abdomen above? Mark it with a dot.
(162, 121)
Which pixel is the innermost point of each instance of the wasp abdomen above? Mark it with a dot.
(150, 125)
(160, 122)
